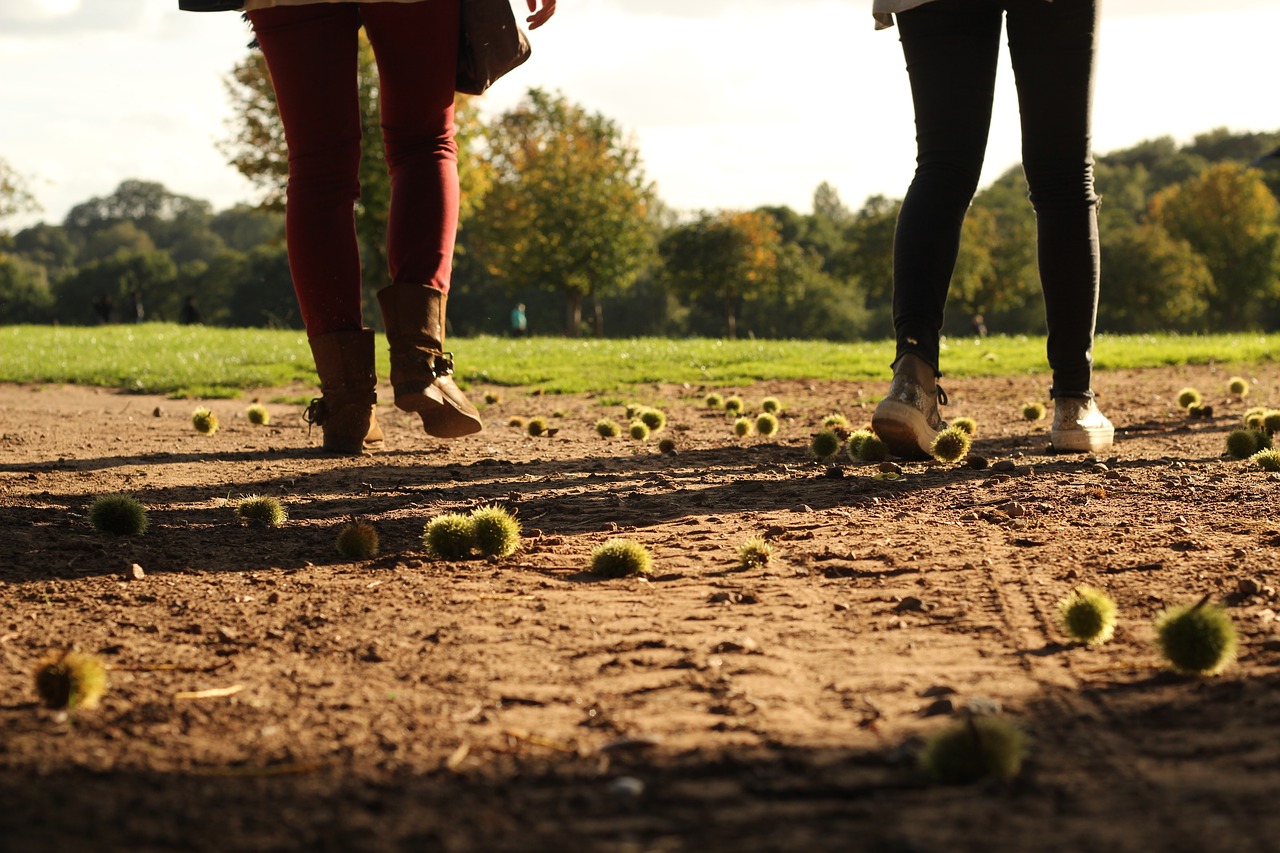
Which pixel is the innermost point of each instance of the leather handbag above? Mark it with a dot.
(490, 45)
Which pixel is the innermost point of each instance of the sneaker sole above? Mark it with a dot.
(1084, 440)
(903, 429)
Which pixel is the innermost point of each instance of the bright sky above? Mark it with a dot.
(734, 103)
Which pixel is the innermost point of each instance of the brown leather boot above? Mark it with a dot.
(348, 383)
(421, 371)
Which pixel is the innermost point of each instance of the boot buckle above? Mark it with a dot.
(439, 363)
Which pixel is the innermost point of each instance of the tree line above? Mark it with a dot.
(560, 216)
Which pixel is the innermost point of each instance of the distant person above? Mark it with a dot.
(979, 325)
(311, 48)
(519, 322)
(136, 312)
(190, 314)
(103, 307)
(951, 49)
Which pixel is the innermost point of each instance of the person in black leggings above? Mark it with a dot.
(951, 49)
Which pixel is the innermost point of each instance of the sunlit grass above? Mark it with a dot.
(210, 362)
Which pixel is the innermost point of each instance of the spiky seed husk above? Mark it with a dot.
(1033, 411)
(1242, 443)
(1267, 460)
(825, 444)
(1197, 638)
(755, 553)
(873, 449)
(1238, 386)
(766, 423)
(742, 427)
(854, 445)
(204, 421)
(70, 680)
(258, 415)
(969, 425)
(633, 409)
(357, 540)
(536, 427)
(714, 401)
(835, 420)
(951, 444)
(1088, 615)
(606, 428)
(261, 509)
(450, 536)
(1271, 422)
(654, 419)
(974, 748)
(770, 405)
(667, 445)
(496, 532)
(119, 515)
(733, 404)
(619, 558)
(492, 399)
(1188, 397)
(516, 421)
(639, 430)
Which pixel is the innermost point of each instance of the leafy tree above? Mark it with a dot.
(147, 204)
(119, 236)
(569, 207)
(46, 245)
(263, 294)
(1152, 282)
(866, 256)
(24, 291)
(150, 274)
(244, 228)
(731, 257)
(15, 196)
(1230, 218)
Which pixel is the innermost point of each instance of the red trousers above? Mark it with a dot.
(311, 52)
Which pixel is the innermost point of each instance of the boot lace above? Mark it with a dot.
(315, 413)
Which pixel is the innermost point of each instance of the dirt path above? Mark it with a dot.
(521, 704)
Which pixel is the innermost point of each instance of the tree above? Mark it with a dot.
(727, 256)
(24, 292)
(866, 256)
(146, 273)
(1152, 282)
(15, 197)
(1230, 218)
(569, 207)
(47, 245)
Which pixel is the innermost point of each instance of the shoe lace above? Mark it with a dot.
(314, 413)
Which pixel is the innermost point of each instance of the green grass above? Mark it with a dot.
(210, 362)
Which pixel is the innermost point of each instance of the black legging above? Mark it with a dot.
(952, 47)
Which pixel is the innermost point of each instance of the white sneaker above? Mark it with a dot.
(1079, 427)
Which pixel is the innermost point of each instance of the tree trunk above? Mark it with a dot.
(598, 315)
(575, 314)
(731, 319)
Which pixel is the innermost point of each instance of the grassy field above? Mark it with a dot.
(186, 361)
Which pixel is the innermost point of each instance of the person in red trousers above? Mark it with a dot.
(311, 51)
